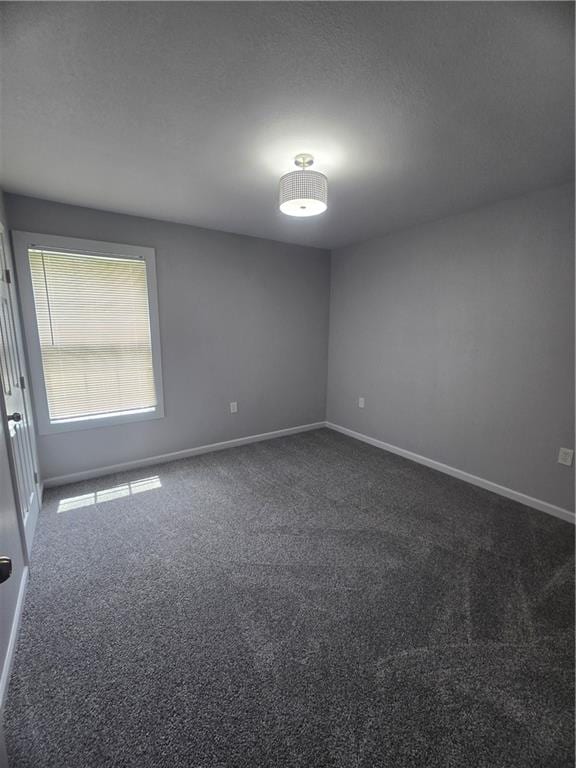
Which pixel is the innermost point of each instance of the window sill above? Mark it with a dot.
(97, 422)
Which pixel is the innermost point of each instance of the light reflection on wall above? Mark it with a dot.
(109, 494)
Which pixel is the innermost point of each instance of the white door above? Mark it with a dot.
(13, 569)
(17, 411)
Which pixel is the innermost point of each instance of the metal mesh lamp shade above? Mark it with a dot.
(303, 192)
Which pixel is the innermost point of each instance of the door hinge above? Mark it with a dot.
(22, 382)
(7, 276)
(36, 477)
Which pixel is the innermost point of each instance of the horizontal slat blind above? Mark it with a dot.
(94, 328)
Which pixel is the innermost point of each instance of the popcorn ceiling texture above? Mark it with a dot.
(306, 601)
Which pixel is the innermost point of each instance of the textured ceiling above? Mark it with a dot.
(191, 111)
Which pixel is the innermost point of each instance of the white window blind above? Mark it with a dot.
(93, 322)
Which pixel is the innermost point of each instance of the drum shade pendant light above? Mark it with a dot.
(303, 192)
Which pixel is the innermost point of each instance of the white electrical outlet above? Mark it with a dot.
(361, 402)
(565, 456)
(234, 407)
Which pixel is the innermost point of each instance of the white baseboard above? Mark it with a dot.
(529, 501)
(75, 477)
(5, 676)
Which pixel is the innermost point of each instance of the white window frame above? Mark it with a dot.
(23, 241)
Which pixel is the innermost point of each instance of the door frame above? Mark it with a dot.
(28, 527)
(21, 526)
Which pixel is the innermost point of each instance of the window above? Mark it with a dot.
(95, 351)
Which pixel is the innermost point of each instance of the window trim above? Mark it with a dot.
(22, 242)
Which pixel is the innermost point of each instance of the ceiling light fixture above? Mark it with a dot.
(303, 192)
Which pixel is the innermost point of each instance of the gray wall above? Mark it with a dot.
(460, 335)
(240, 319)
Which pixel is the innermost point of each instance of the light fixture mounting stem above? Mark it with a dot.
(303, 160)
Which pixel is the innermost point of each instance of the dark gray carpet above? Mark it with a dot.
(307, 602)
